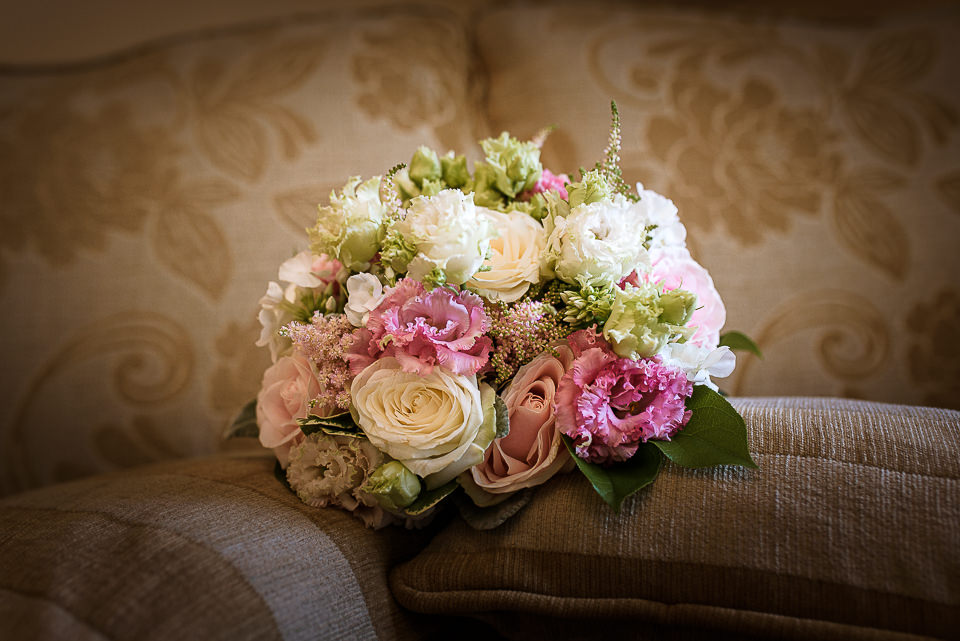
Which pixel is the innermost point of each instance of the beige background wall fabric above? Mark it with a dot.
(816, 167)
(149, 191)
(148, 198)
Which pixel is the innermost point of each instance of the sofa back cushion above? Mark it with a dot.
(150, 195)
(846, 531)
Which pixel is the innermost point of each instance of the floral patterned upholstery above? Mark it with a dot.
(148, 194)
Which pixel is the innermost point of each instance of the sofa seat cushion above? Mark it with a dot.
(848, 529)
(202, 549)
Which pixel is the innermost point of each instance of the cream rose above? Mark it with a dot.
(285, 394)
(437, 425)
(514, 259)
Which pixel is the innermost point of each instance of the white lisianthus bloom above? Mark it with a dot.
(437, 425)
(273, 315)
(661, 213)
(599, 243)
(364, 293)
(449, 234)
(514, 260)
(700, 363)
(350, 228)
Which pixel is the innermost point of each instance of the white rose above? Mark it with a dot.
(700, 363)
(660, 211)
(274, 313)
(599, 243)
(514, 260)
(437, 425)
(364, 293)
(449, 234)
(350, 228)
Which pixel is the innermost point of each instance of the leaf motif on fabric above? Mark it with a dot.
(237, 103)
(297, 208)
(883, 126)
(948, 188)
(867, 226)
(189, 242)
(899, 58)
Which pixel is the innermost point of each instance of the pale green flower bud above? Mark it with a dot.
(425, 165)
(393, 485)
(454, 170)
(485, 192)
(591, 189)
(431, 187)
(678, 306)
(517, 164)
(634, 328)
(351, 226)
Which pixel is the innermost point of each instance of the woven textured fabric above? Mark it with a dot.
(847, 530)
(208, 549)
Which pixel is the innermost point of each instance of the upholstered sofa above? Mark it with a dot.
(157, 168)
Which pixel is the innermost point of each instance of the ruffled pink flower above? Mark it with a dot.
(548, 180)
(673, 267)
(610, 405)
(424, 329)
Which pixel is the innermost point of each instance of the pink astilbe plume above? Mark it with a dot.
(424, 329)
(610, 405)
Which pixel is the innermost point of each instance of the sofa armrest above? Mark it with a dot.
(202, 549)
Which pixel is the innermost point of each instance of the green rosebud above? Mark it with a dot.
(517, 164)
(454, 170)
(485, 192)
(592, 188)
(425, 165)
(393, 485)
(678, 306)
(431, 187)
(634, 328)
(351, 226)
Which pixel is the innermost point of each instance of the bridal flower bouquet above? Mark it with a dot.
(485, 330)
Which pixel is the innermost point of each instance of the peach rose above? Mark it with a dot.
(285, 394)
(532, 452)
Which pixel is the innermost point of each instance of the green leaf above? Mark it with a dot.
(619, 481)
(490, 517)
(738, 341)
(281, 475)
(244, 424)
(336, 425)
(429, 498)
(503, 417)
(715, 435)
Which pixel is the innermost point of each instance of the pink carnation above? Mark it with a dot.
(610, 405)
(423, 329)
(548, 180)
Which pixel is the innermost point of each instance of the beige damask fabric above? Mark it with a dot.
(148, 195)
(816, 166)
(148, 198)
(842, 533)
